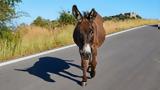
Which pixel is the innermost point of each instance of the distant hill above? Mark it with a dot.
(123, 16)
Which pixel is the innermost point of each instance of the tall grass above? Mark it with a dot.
(35, 39)
(32, 39)
(9, 41)
(116, 26)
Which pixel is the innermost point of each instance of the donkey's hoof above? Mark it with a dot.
(92, 74)
(83, 83)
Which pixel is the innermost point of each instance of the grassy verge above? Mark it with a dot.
(116, 26)
(34, 39)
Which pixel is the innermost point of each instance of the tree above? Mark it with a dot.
(66, 18)
(39, 21)
(124, 16)
(7, 11)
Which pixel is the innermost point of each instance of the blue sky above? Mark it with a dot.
(50, 9)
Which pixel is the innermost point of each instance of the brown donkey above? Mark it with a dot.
(89, 34)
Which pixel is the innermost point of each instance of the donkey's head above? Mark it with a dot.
(85, 29)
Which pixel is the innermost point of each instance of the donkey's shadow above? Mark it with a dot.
(47, 65)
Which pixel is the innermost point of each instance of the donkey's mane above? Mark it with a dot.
(86, 14)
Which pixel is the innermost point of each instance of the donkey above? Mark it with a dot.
(89, 35)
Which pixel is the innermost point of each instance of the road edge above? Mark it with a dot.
(61, 48)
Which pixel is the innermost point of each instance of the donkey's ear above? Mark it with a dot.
(76, 13)
(92, 14)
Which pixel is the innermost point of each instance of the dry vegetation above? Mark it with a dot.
(116, 26)
(36, 39)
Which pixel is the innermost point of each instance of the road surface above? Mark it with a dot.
(127, 61)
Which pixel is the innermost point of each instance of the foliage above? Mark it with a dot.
(7, 11)
(32, 39)
(66, 18)
(9, 41)
(46, 23)
(112, 26)
(39, 21)
(125, 16)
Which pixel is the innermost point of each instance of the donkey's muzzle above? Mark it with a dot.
(86, 52)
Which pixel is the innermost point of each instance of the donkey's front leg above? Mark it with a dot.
(84, 68)
(94, 62)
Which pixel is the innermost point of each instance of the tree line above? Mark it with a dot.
(65, 18)
(124, 16)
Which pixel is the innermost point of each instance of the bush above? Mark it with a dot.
(9, 41)
(66, 18)
(39, 21)
(7, 11)
(54, 24)
(45, 23)
(122, 17)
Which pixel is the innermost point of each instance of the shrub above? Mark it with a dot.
(39, 21)
(125, 16)
(9, 41)
(66, 18)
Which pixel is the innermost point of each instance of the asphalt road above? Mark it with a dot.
(127, 61)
